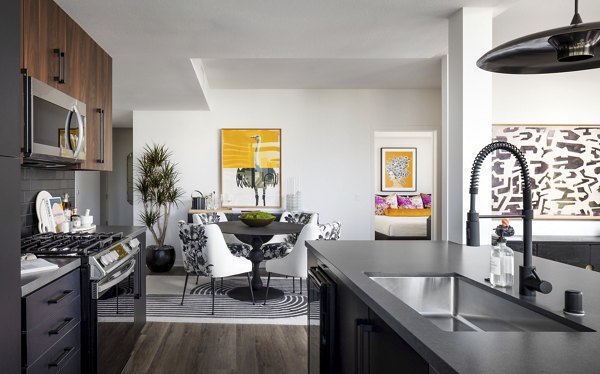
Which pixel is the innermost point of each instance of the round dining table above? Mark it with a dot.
(257, 235)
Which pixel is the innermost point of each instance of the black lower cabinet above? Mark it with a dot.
(595, 257)
(567, 253)
(367, 344)
(388, 353)
(51, 327)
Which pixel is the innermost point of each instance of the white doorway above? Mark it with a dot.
(426, 143)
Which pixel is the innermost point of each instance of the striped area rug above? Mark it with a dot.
(164, 297)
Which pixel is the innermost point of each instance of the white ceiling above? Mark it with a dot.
(265, 44)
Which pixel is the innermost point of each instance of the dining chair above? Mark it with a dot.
(302, 218)
(293, 263)
(205, 253)
(214, 217)
(236, 246)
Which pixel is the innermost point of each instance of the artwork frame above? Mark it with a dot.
(250, 171)
(402, 177)
(562, 159)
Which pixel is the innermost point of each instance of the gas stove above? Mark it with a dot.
(105, 252)
(68, 244)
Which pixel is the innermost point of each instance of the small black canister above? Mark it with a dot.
(574, 302)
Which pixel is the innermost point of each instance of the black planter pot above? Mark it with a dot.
(160, 259)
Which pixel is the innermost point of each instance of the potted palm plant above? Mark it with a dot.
(156, 182)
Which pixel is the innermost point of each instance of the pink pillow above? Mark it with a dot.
(391, 201)
(426, 200)
(410, 202)
(380, 205)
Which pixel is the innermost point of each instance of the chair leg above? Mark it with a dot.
(250, 285)
(300, 285)
(212, 287)
(267, 292)
(197, 276)
(184, 287)
(222, 293)
(293, 284)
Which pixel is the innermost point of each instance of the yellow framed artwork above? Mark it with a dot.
(398, 169)
(251, 168)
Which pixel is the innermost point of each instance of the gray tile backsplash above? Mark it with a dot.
(33, 180)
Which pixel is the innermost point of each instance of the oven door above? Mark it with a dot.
(54, 124)
(115, 334)
(321, 322)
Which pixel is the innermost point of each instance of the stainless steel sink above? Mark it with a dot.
(454, 303)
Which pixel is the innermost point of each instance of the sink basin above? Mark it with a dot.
(455, 303)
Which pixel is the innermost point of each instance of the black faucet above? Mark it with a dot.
(529, 281)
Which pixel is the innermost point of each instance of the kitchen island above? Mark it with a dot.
(350, 262)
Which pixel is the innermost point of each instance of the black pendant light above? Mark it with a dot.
(570, 48)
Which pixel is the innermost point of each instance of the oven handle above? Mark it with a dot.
(106, 284)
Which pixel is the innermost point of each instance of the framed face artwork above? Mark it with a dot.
(398, 169)
(251, 168)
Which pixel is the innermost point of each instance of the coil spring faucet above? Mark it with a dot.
(529, 281)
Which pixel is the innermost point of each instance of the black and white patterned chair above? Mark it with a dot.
(236, 246)
(206, 254)
(330, 231)
(281, 245)
(293, 261)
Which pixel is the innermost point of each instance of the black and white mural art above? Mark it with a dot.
(564, 167)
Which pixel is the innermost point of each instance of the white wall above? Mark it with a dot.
(327, 142)
(423, 142)
(565, 98)
(118, 211)
(87, 193)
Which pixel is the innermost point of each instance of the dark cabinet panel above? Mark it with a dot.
(568, 253)
(595, 257)
(351, 312)
(388, 353)
(10, 277)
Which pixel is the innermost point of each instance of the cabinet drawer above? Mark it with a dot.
(73, 366)
(567, 253)
(50, 299)
(57, 357)
(37, 340)
(595, 257)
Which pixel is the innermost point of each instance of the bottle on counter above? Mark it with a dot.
(66, 205)
(502, 258)
(75, 220)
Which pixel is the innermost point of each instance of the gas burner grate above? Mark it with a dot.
(65, 244)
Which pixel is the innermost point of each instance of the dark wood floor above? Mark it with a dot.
(219, 348)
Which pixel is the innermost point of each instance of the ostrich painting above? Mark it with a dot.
(257, 178)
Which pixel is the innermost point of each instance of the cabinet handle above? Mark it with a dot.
(362, 356)
(60, 298)
(27, 117)
(61, 358)
(60, 78)
(101, 158)
(60, 327)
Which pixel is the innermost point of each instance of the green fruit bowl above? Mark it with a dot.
(257, 222)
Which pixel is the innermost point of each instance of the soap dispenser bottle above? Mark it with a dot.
(502, 259)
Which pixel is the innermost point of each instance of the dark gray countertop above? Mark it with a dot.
(35, 281)
(470, 352)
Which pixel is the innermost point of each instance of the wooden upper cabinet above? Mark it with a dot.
(58, 52)
(99, 112)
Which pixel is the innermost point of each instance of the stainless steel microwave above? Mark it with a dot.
(54, 126)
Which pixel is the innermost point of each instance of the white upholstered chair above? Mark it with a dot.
(205, 253)
(293, 264)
